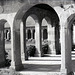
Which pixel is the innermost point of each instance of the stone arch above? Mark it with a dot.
(17, 40)
(70, 25)
(66, 44)
(37, 32)
(70, 20)
(53, 35)
(73, 35)
(22, 15)
(2, 43)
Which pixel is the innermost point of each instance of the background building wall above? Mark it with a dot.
(9, 6)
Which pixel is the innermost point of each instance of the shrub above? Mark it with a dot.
(8, 61)
(31, 50)
(45, 49)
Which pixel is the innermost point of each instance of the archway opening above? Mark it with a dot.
(67, 43)
(73, 35)
(52, 36)
(7, 37)
(29, 34)
(44, 37)
(45, 34)
(5, 49)
(30, 26)
(41, 11)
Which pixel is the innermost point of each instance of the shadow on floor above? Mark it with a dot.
(41, 68)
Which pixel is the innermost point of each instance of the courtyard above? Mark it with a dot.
(37, 65)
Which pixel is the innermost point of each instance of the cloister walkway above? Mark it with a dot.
(45, 65)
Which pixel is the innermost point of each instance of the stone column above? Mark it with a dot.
(42, 34)
(16, 62)
(5, 34)
(73, 34)
(26, 35)
(2, 46)
(24, 44)
(22, 41)
(65, 38)
(31, 34)
(57, 36)
(10, 35)
(38, 42)
(51, 39)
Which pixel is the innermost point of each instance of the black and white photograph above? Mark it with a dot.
(37, 37)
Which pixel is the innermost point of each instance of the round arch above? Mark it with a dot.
(2, 43)
(66, 43)
(53, 35)
(70, 20)
(70, 26)
(22, 15)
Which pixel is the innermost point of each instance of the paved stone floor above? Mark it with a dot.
(40, 66)
(43, 66)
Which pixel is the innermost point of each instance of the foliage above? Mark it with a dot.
(31, 50)
(45, 49)
(8, 61)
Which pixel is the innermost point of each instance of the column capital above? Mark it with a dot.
(63, 27)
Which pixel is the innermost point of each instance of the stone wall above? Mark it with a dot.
(8, 6)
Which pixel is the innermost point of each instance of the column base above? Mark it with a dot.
(37, 55)
(22, 57)
(51, 49)
(53, 52)
(17, 67)
(64, 72)
(26, 56)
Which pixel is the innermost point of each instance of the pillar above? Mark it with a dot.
(42, 34)
(9, 35)
(57, 37)
(38, 42)
(65, 38)
(16, 62)
(26, 34)
(73, 34)
(22, 41)
(5, 33)
(31, 34)
(51, 39)
(2, 46)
